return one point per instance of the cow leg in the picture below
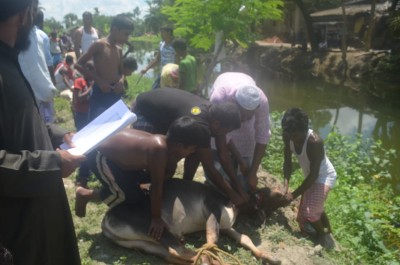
(170, 255)
(246, 242)
(212, 229)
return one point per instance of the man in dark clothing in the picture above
(158, 108)
(35, 221)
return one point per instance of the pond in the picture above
(352, 112)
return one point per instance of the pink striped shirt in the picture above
(255, 130)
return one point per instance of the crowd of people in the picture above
(227, 133)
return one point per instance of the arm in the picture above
(152, 64)
(226, 162)
(258, 154)
(235, 153)
(315, 153)
(157, 165)
(287, 163)
(49, 60)
(205, 156)
(77, 43)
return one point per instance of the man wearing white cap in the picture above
(247, 144)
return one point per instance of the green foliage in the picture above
(135, 87)
(362, 207)
(52, 24)
(199, 21)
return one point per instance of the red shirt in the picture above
(80, 104)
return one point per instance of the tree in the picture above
(371, 26)
(200, 21)
(154, 20)
(70, 20)
(52, 24)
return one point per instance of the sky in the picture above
(59, 8)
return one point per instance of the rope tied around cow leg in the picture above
(214, 253)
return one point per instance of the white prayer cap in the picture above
(248, 97)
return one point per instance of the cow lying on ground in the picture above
(188, 207)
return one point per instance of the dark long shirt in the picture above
(35, 220)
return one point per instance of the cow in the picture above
(188, 207)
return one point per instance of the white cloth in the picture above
(60, 81)
(327, 173)
(34, 64)
(88, 39)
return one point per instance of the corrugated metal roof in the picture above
(350, 10)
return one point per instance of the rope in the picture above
(214, 253)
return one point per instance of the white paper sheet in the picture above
(111, 121)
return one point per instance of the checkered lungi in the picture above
(312, 204)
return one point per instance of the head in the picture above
(180, 47)
(268, 200)
(224, 118)
(248, 99)
(17, 16)
(39, 19)
(87, 19)
(89, 65)
(167, 33)
(69, 60)
(53, 34)
(295, 124)
(129, 66)
(121, 28)
(185, 135)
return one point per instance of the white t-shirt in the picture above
(327, 173)
(34, 64)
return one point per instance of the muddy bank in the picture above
(366, 70)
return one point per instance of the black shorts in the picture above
(118, 185)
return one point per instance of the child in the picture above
(133, 158)
(129, 65)
(107, 57)
(320, 175)
(80, 107)
(187, 67)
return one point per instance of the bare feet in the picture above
(82, 197)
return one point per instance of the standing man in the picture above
(35, 221)
(37, 66)
(165, 55)
(85, 36)
(187, 67)
(247, 144)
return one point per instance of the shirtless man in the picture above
(85, 35)
(106, 54)
(133, 158)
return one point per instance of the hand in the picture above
(287, 198)
(69, 162)
(105, 87)
(119, 86)
(285, 187)
(143, 71)
(157, 227)
(237, 200)
(244, 169)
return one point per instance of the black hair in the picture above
(87, 14)
(168, 29)
(69, 59)
(295, 120)
(122, 22)
(130, 63)
(187, 131)
(9, 8)
(227, 114)
(39, 18)
(179, 45)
